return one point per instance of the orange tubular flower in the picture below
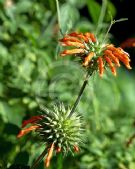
(26, 131)
(88, 58)
(92, 54)
(49, 156)
(31, 120)
(100, 66)
(72, 51)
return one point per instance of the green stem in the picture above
(80, 94)
(38, 159)
(110, 26)
(102, 15)
(108, 30)
(58, 16)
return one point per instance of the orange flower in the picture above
(72, 51)
(49, 155)
(87, 59)
(26, 131)
(100, 66)
(93, 55)
(31, 120)
(34, 120)
(129, 43)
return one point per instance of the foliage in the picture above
(32, 73)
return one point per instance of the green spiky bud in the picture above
(56, 126)
(58, 129)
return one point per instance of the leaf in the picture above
(23, 6)
(94, 10)
(69, 15)
(13, 114)
(25, 69)
(76, 3)
(111, 11)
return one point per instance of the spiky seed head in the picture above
(56, 126)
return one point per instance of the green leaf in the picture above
(25, 69)
(111, 11)
(23, 6)
(13, 114)
(94, 10)
(76, 3)
(69, 15)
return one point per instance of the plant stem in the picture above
(110, 26)
(80, 94)
(58, 16)
(101, 17)
(38, 159)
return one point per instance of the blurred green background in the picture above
(32, 74)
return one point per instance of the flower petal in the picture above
(79, 35)
(27, 130)
(76, 44)
(49, 155)
(91, 36)
(112, 56)
(88, 58)
(100, 66)
(71, 39)
(111, 65)
(72, 51)
(123, 59)
(31, 120)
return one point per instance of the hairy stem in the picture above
(38, 159)
(80, 94)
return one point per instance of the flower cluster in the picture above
(59, 131)
(93, 55)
